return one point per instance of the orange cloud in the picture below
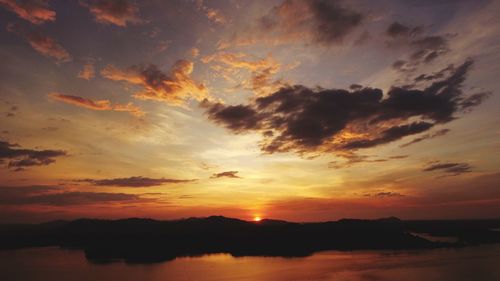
(262, 70)
(104, 105)
(88, 71)
(114, 12)
(212, 14)
(215, 16)
(316, 22)
(34, 11)
(173, 88)
(43, 44)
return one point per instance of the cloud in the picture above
(173, 88)
(333, 22)
(424, 48)
(43, 44)
(228, 66)
(117, 12)
(427, 136)
(397, 30)
(88, 71)
(195, 52)
(389, 135)
(104, 105)
(20, 158)
(133, 181)
(304, 120)
(351, 158)
(215, 15)
(227, 174)
(384, 194)
(34, 11)
(450, 169)
(317, 22)
(56, 196)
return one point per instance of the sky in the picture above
(296, 110)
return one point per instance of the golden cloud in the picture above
(174, 88)
(103, 105)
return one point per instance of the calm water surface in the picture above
(468, 264)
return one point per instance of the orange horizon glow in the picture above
(161, 110)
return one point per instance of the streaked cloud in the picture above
(134, 181)
(450, 169)
(102, 105)
(57, 196)
(227, 174)
(18, 158)
(439, 133)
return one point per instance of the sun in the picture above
(257, 218)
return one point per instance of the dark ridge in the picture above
(138, 240)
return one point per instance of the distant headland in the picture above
(138, 240)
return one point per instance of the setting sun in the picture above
(257, 218)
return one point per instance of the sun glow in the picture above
(257, 219)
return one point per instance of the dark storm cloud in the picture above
(300, 119)
(427, 136)
(227, 174)
(19, 158)
(43, 44)
(56, 196)
(133, 181)
(34, 11)
(451, 169)
(117, 12)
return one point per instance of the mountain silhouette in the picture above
(146, 240)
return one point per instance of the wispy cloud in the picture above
(102, 105)
(451, 169)
(134, 181)
(42, 43)
(21, 158)
(227, 174)
(34, 11)
(57, 196)
(88, 70)
(117, 12)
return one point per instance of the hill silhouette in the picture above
(147, 240)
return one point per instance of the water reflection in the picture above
(474, 263)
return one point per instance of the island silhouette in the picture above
(138, 240)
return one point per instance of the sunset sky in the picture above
(296, 110)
